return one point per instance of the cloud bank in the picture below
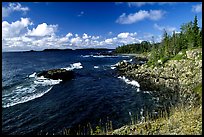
(21, 35)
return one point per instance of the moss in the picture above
(164, 59)
(200, 56)
(179, 56)
(198, 89)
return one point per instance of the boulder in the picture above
(56, 74)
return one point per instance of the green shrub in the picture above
(179, 56)
(198, 89)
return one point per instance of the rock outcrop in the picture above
(174, 76)
(56, 74)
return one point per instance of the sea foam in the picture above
(133, 82)
(32, 75)
(18, 100)
(73, 66)
(45, 82)
(29, 91)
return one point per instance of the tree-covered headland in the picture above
(189, 37)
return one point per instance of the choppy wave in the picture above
(32, 75)
(29, 90)
(17, 99)
(32, 88)
(86, 56)
(96, 66)
(77, 65)
(133, 82)
(45, 82)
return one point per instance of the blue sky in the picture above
(40, 25)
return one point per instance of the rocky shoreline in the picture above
(173, 82)
(178, 76)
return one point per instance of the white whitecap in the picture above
(113, 67)
(117, 64)
(41, 78)
(77, 65)
(102, 56)
(23, 99)
(133, 82)
(29, 91)
(32, 75)
(46, 82)
(86, 56)
(18, 87)
(125, 56)
(73, 66)
(96, 66)
(147, 92)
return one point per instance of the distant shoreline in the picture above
(49, 50)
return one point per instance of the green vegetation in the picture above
(182, 121)
(180, 48)
(179, 56)
(88, 129)
(198, 89)
(138, 48)
(190, 37)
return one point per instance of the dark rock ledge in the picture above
(56, 74)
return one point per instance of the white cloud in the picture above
(17, 37)
(15, 28)
(197, 8)
(167, 28)
(43, 30)
(76, 41)
(109, 41)
(69, 35)
(95, 37)
(156, 14)
(140, 4)
(150, 37)
(6, 11)
(85, 36)
(81, 13)
(140, 15)
(110, 33)
(122, 38)
(126, 34)
(123, 35)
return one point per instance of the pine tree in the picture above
(165, 43)
(195, 32)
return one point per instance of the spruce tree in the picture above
(195, 32)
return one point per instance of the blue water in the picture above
(31, 106)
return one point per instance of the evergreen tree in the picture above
(195, 34)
